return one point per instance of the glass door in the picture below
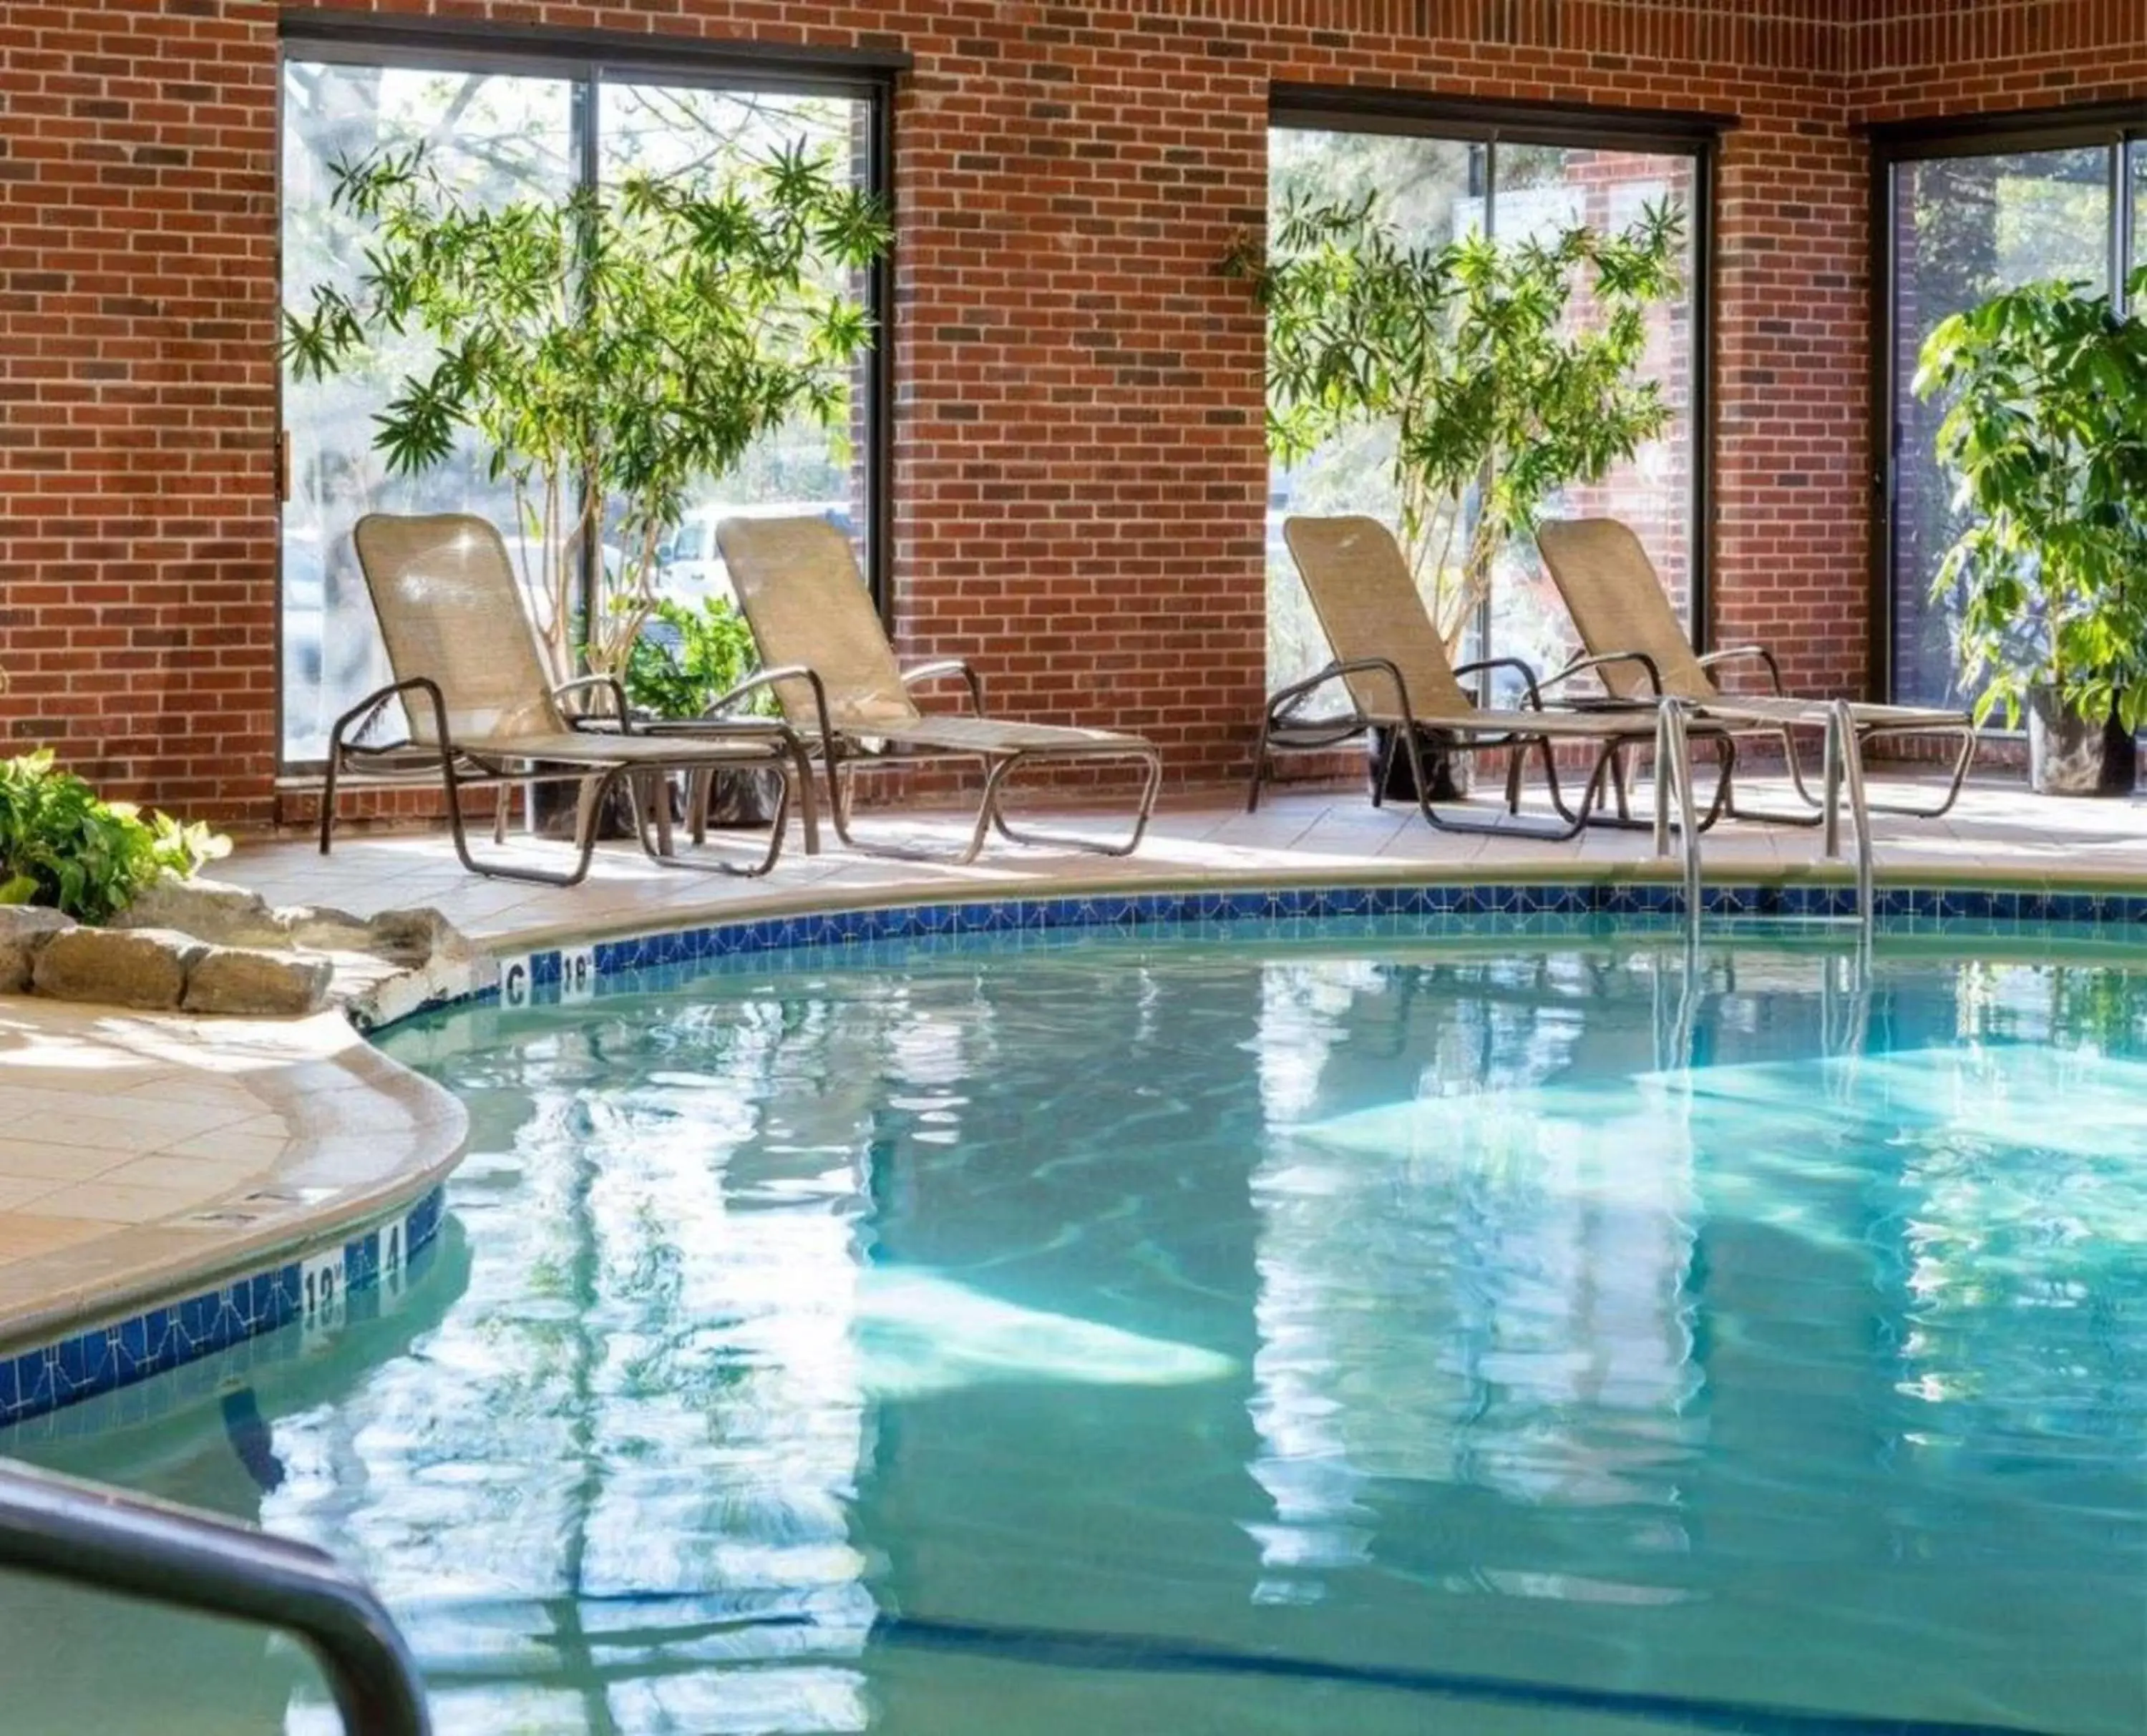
(492, 137)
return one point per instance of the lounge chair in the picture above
(1397, 675)
(1630, 631)
(481, 709)
(835, 675)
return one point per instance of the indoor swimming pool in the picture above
(1313, 1326)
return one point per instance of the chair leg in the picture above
(660, 850)
(1550, 777)
(1151, 786)
(1386, 766)
(1726, 752)
(596, 788)
(1569, 820)
(1815, 813)
(808, 804)
(836, 765)
(1962, 761)
(329, 789)
(1260, 767)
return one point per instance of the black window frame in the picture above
(2118, 128)
(588, 59)
(1693, 133)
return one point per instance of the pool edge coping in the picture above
(369, 1144)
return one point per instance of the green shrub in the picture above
(60, 845)
(715, 651)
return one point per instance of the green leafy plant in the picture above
(609, 348)
(714, 651)
(61, 845)
(1498, 393)
(2046, 439)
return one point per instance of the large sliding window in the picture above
(1963, 213)
(519, 117)
(1436, 171)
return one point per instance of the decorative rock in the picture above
(416, 936)
(24, 929)
(325, 929)
(210, 910)
(266, 985)
(143, 967)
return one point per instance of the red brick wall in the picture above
(1918, 57)
(138, 237)
(1079, 467)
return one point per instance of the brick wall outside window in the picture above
(1079, 470)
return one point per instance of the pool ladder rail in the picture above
(88, 1535)
(1844, 772)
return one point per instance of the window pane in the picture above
(1432, 189)
(496, 138)
(709, 136)
(1435, 189)
(1541, 190)
(1964, 229)
(2139, 255)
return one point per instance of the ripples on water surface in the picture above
(1329, 1334)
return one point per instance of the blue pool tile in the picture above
(34, 1378)
(130, 1345)
(193, 1320)
(74, 1361)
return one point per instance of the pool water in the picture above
(1320, 1328)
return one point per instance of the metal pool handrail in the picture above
(89, 1535)
(1845, 769)
(1841, 735)
(1673, 772)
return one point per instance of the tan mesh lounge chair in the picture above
(482, 711)
(1634, 637)
(827, 659)
(1397, 675)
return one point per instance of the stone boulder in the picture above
(142, 967)
(210, 910)
(417, 937)
(261, 985)
(325, 929)
(24, 929)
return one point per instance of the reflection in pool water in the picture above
(1330, 1333)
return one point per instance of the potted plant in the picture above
(2046, 437)
(610, 349)
(1498, 396)
(685, 661)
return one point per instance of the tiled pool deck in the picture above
(144, 1154)
(1997, 831)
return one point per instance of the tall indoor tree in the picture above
(608, 349)
(1476, 353)
(2045, 436)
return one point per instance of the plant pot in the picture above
(1449, 775)
(552, 809)
(744, 796)
(2070, 755)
